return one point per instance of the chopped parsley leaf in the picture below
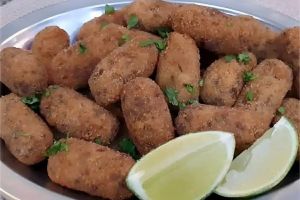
(248, 76)
(172, 95)
(229, 58)
(192, 101)
(125, 38)
(97, 141)
(20, 134)
(243, 58)
(33, 101)
(109, 9)
(163, 32)
(201, 83)
(127, 146)
(58, 146)
(281, 110)
(189, 88)
(82, 48)
(103, 24)
(160, 44)
(249, 96)
(132, 22)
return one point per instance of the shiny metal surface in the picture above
(27, 183)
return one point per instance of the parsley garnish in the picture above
(33, 101)
(249, 96)
(172, 95)
(243, 58)
(229, 58)
(160, 44)
(82, 48)
(201, 83)
(97, 141)
(192, 101)
(163, 32)
(248, 76)
(125, 38)
(103, 24)
(281, 110)
(109, 9)
(132, 22)
(189, 88)
(58, 146)
(127, 146)
(20, 134)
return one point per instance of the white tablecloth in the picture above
(18, 8)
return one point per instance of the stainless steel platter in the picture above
(29, 183)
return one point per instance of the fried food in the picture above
(266, 93)
(21, 72)
(102, 172)
(72, 67)
(49, 42)
(146, 114)
(122, 65)
(25, 134)
(291, 110)
(219, 32)
(73, 114)
(152, 14)
(223, 80)
(98, 23)
(246, 125)
(179, 67)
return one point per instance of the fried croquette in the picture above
(219, 32)
(25, 134)
(146, 114)
(223, 80)
(246, 125)
(151, 14)
(21, 72)
(98, 23)
(49, 42)
(122, 65)
(75, 115)
(273, 79)
(73, 66)
(290, 108)
(179, 67)
(91, 168)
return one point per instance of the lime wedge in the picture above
(264, 164)
(188, 167)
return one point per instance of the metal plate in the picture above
(22, 182)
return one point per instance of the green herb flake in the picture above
(109, 9)
(182, 105)
(201, 83)
(243, 58)
(82, 48)
(281, 110)
(97, 141)
(132, 22)
(163, 32)
(33, 101)
(192, 101)
(127, 146)
(189, 88)
(58, 146)
(229, 58)
(159, 44)
(20, 134)
(103, 24)
(248, 76)
(249, 96)
(125, 38)
(172, 95)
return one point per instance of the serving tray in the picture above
(29, 183)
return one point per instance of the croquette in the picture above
(223, 80)
(73, 66)
(219, 32)
(21, 72)
(246, 125)
(273, 79)
(151, 14)
(25, 134)
(49, 42)
(98, 23)
(290, 108)
(122, 65)
(91, 168)
(73, 114)
(146, 114)
(179, 67)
